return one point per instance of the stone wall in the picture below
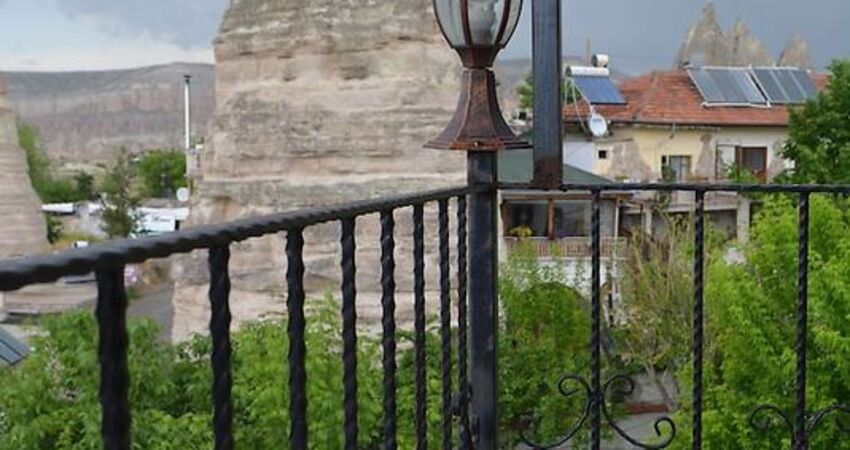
(320, 102)
(22, 229)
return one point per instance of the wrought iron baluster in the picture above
(421, 419)
(219, 294)
(388, 286)
(699, 322)
(596, 326)
(464, 433)
(297, 345)
(349, 333)
(445, 323)
(112, 352)
(801, 441)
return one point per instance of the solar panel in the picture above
(785, 85)
(806, 84)
(706, 85)
(771, 86)
(598, 90)
(727, 86)
(790, 86)
(12, 350)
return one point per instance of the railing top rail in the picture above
(46, 268)
(695, 187)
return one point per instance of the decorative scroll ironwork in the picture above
(626, 386)
(761, 421)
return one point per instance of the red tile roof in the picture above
(670, 97)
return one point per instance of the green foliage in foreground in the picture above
(751, 313)
(544, 334)
(50, 401)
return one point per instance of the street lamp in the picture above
(478, 30)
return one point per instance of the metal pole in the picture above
(187, 112)
(483, 309)
(548, 147)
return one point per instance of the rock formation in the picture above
(88, 116)
(797, 54)
(318, 103)
(708, 45)
(22, 229)
(745, 48)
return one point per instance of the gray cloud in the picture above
(188, 23)
(645, 34)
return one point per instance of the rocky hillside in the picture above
(87, 116)
(22, 229)
(319, 102)
(707, 44)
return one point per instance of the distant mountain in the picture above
(88, 116)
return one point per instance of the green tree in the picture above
(120, 217)
(751, 313)
(163, 172)
(525, 91)
(819, 138)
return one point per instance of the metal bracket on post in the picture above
(548, 118)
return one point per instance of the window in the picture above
(603, 154)
(725, 161)
(753, 160)
(532, 215)
(676, 168)
(572, 219)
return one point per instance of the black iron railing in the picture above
(799, 423)
(109, 260)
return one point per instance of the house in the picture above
(697, 124)
(557, 223)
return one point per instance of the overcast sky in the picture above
(638, 34)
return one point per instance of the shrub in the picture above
(163, 172)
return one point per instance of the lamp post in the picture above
(478, 30)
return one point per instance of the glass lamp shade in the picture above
(480, 24)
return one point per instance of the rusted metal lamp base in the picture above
(478, 124)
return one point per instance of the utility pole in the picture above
(187, 112)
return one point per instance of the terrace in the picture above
(468, 326)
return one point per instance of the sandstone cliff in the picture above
(318, 103)
(22, 227)
(88, 116)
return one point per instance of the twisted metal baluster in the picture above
(112, 354)
(419, 319)
(445, 323)
(699, 321)
(801, 421)
(297, 344)
(596, 327)
(349, 334)
(219, 295)
(388, 286)
(630, 387)
(464, 433)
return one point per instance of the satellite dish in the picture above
(598, 125)
(183, 195)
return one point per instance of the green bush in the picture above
(544, 334)
(163, 172)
